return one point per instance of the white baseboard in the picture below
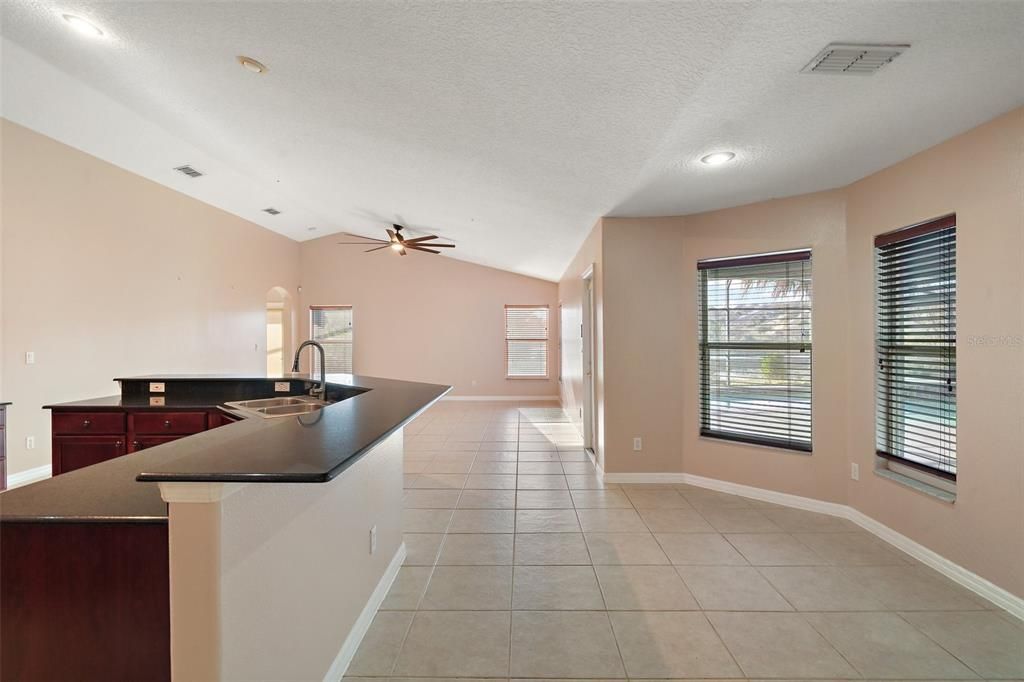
(501, 398)
(985, 589)
(362, 624)
(28, 476)
(975, 583)
(765, 495)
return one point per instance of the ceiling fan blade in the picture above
(377, 248)
(371, 241)
(402, 250)
(391, 234)
(414, 247)
(440, 246)
(420, 239)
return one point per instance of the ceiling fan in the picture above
(402, 245)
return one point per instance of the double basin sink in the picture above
(287, 406)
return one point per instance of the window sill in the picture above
(919, 486)
(527, 378)
(759, 446)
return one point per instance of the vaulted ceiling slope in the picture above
(509, 127)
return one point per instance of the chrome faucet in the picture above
(320, 392)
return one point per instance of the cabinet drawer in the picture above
(84, 423)
(182, 423)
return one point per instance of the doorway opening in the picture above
(587, 332)
(279, 331)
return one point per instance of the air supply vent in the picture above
(853, 59)
(189, 171)
(271, 211)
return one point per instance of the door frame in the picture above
(587, 347)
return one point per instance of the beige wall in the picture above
(650, 313)
(107, 274)
(570, 297)
(426, 318)
(815, 221)
(644, 323)
(980, 177)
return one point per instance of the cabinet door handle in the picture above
(86, 423)
(167, 423)
(136, 445)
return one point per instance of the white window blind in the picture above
(915, 340)
(332, 327)
(526, 342)
(755, 349)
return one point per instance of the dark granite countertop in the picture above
(115, 403)
(313, 448)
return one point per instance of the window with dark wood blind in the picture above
(331, 325)
(755, 349)
(526, 341)
(915, 341)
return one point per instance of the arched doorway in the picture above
(279, 331)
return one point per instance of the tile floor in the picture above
(523, 564)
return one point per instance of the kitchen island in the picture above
(210, 556)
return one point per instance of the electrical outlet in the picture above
(30, 442)
(282, 387)
(373, 539)
(156, 387)
(638, 444)
(30, 358)
(854, 471)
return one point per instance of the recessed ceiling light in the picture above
(83, 26)
(718, 158)
(251, 64)
(311, 229)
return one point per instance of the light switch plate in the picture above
(156, 401)
(282, 386)
(30, 358)
(854, 471)
(156, 387)
(638, 444)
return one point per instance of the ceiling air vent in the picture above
(271, 211)
(853, 59)
(189, 171)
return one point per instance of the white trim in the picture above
(29, 476)
(975, 583)
(502, 398)
(362, 624)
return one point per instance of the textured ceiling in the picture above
(508, 127)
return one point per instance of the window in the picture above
(755, 349)
(915, 343)
(526, 341)
(331, 325)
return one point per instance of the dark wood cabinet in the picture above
(178, 423)
(83, 438)
(75, 452)
(88, 423)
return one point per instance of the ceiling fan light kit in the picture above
(396, 242)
